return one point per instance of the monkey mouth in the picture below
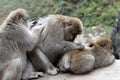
(73, 37)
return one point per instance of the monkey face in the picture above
(106, 43)
(72, 28)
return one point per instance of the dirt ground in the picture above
(111, 72)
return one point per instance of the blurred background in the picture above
(91, 12)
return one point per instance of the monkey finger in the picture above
(57, 70)
(35, 75)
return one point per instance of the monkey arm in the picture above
(42, 56)
(30, 36)
(23, 35)
(68, 46)
(16, 28)
(50, 69)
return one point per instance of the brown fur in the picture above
(82, 61)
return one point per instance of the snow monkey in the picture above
(57, 36)
(15, 39)
(115, 36)
(83, 61)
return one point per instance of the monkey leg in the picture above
(104, 61)
(84, 64)
(64, 63)
(29, 72)
(50, 69)
(13, 70)
(110, 60)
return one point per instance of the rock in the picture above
(111, 72)
(90, 35)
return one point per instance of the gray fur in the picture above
(15, 40)
(53, 43)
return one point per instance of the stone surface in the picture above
(111, 72)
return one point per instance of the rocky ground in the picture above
(111, 72)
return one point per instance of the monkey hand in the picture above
(36, 75)
(52, 71)
(80, 46)
(33, 75)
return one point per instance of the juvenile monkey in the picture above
(57, 35)
(15, 40)
(82, 61)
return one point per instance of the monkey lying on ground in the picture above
(82, 61)
(15, 40)
(57, 36)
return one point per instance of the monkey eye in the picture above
(68, 24)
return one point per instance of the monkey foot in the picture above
(35, 75)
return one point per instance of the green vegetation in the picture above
(91, 12)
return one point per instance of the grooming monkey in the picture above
(15, 40)
(82, 61)
(57, 35)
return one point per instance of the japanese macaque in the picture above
(15, 39)
(116, 38)
(57, 35)
(83, 61)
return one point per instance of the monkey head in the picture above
(103, 42)
(72, 27)
(106, 43)
(65, 26)
(18, 16)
